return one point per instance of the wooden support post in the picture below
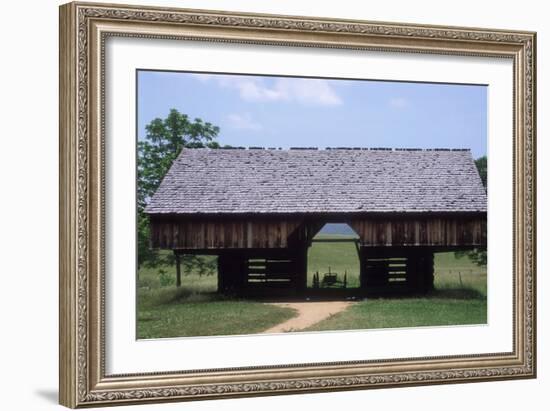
(414, 272)
(420, 271)
(178, 269)
(221, 274)
(429, 278)
(232, 273)
(362, 270)
(239, 273)
(300, 271)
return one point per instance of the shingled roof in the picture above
(235, 181)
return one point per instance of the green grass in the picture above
(406, 312)
(149, 280)
(459, 276)
(460, 297)
(181, 318)
(195, 309)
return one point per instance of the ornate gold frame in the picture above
(83, 30)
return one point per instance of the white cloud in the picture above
(242, 122)
(203, 78)
(254, 90)
(303, 91)
(311, 91)
(398, 102)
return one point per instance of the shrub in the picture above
(165, 279)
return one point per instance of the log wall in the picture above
(260, 273)
(428, 231)
(223, 234)
(399, 270)
(275, 233)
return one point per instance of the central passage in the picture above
(333, 260)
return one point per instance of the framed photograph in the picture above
(260, 204)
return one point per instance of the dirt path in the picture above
(309, 313)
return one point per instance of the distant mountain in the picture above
(340, 229)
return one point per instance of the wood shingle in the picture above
(242, 181)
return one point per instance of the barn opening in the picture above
(333, 259)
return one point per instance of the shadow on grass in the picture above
(184, 295)
(442, 294)
(172, 295)
(457, 294)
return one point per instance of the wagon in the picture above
(330, 279)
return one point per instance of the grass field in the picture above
(195, 309)
(406, 312)
(340, 257)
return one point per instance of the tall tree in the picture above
(164, 140)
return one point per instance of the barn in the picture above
(258, 210)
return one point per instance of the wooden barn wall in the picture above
(242, 234)
(223, 234)
(438, 231)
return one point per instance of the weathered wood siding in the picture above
(429, 231)
(222, 234)
(275, 233)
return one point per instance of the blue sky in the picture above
(299, 112)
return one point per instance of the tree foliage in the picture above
(478, 255)
(481, 164)
(164, 141)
